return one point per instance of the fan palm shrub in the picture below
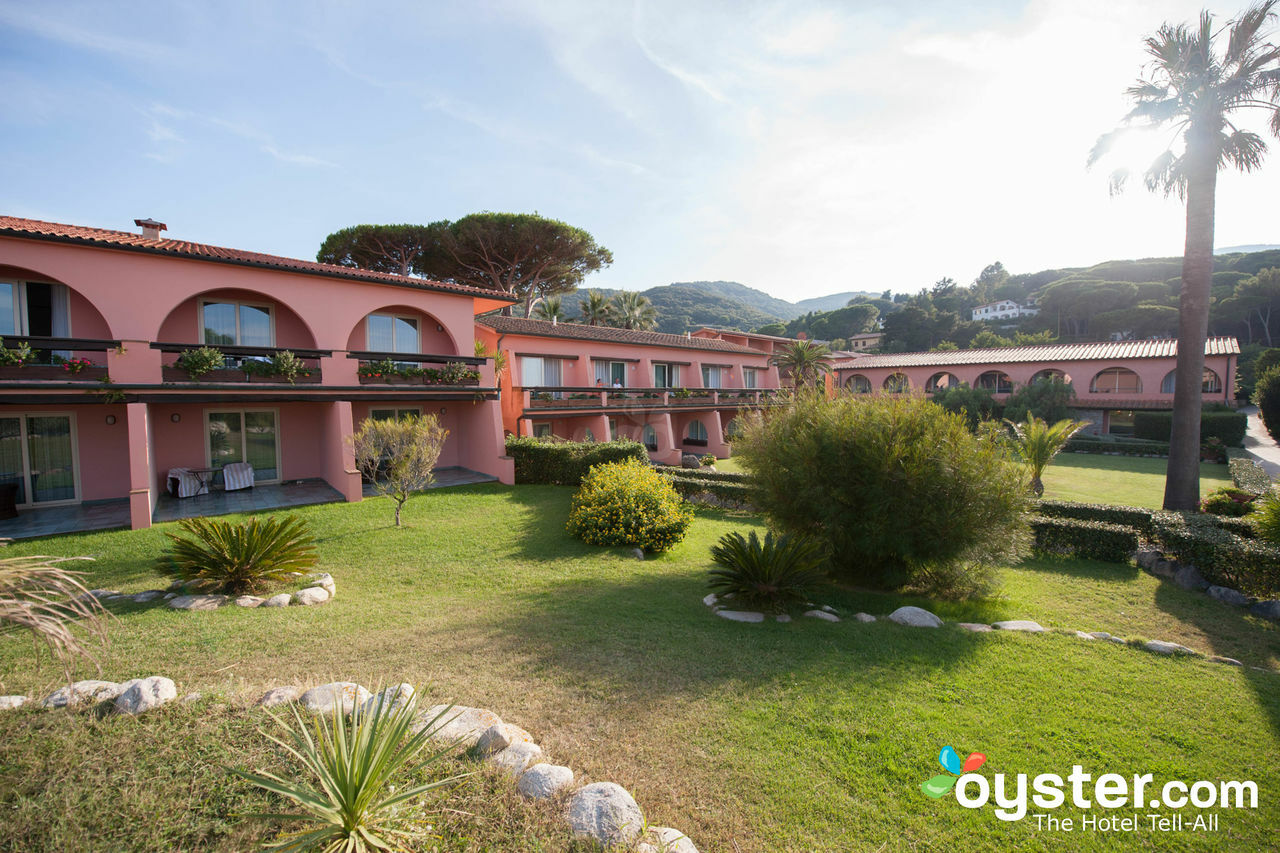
(40, 596)
(772, 575)
(1036, 442)
(348, 797)
(805, 362)
(239, 558)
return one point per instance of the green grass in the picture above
(803, 736)
(1123, 480)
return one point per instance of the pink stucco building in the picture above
(113, 310)
(675, 394)
(1112, 379)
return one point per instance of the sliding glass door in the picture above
(245, 436)
(38, 455)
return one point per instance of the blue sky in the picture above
(801, 148)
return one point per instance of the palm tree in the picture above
(804, 361)
(549, 308)
(1036, 443)
(633, 310)
(1195, 85)
(595, 310)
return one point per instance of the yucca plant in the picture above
(38, 595)
(239, 558)
(770, 575)
(1036, 443)
(348, 797)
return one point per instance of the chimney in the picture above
(150, 228)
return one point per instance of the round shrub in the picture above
(1228, 501)
(628, 503)
(898, 490)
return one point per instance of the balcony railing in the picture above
(243, 364)
(28, 358)
(577, 397)
(398, 368)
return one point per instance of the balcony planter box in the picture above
(463, 383)
(313, 379)
(390, 380)
(558, 404)
(226, 374)
(691, 401)
(50, 373)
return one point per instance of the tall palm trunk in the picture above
(1182, 483)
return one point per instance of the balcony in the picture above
(30, 358)
(539, 398)
(398, 368)
(252, 365)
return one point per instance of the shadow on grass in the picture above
(1235, 634)
(1082, 569)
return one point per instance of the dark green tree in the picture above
(396, 249)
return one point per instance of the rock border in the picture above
(1189, 578)
(319, 589)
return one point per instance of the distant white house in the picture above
(1005, 309)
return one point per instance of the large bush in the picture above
(896, 489)
(628, 503)
(1222, 556)
(1226, 426)
(1048, 399)
(565, 463)
(1266, 396)
(975, 404)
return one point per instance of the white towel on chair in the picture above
(237, 475)
(188, 483)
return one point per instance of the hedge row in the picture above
(701, 474)
(1088, 444)
(1094, 540)
(1242, 526)
(1249, 476)
(1229, 427)
(565, 463)
(1129, 516)
(732, 493)
(1223, 557)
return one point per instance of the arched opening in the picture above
(39, 306)
(940, 381)
(858, 384)
(732, 429)
(696, 433)
(234, 317)
(1211, 383)
(1050, 373)
(897, 383)
(401, 329)
(995, 381)
(1116, 380)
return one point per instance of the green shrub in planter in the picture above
(1093, 540)
(198, 362)
(893, 487)
(628, 503)
(1229, 502)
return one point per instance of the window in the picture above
(940, 381)
(536, 371)
(710, 376)
(1049, 373)
(35, 308)
(393, 333)
(613, 429)
(897, 383)
(995, 381)
(246, 435)
(750, 377)
(38, 455)
(611, 374)
(666, 375)
(858, 384)
(1210, 385)
(393, 414)
(588, 435)
(649, 437)
(1116, 380)
(236, 324)
(697, 433)
(542, 430)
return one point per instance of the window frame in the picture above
(244, 437)
(270, 308)
(24, 439)
(368, 335)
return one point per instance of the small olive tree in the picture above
(898, 490)
(399, 456)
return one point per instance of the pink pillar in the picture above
(716, 444)
(340, 462)
(524, 427)
(140, 501)
(600, 427)
(484, 446)
(667, 451)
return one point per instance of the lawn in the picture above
(1095, 478)
(801, 736)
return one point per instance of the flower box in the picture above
(225, 374)
(50, 373)
(390, 380)
(300, 379)
(692, 401)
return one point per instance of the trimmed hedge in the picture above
(1128, 516)
(1249, 476)
(1229, 427)
(733, 493)
(1089, 444)
(1242, 527)
(1222, 557)
(565, 463)
(701, 474)
(1094, 540)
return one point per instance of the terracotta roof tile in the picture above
(81, 235)
(1099, 351)
(608, 334)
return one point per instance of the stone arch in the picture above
(182, 324)
(1116, 380)
(940, 381)
(85, 320)
(858, 384)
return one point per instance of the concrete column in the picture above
(667, 451)
(339, 461)
(140, 475)
(716, 444)
(600, 427)
(484, 447)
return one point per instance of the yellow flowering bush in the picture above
(628, 503)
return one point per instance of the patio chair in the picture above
(237, 475)
(183, 484)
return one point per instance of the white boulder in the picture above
(82, 692)
(391, 698)
(604, 812)
(143, 694)
(9, 703)
(461, 724)
(864, 617)
(499, 737)
(248, 601)
(1162, 647)
(544, 780)
(282, 600)
(279, 696)
(198, 602)
(325, 698)
(916, 617)
(311, 595)
(740, 615)
(515, 758)
(1020, 625)
(664, 839)
(823, 615)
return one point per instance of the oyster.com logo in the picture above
(942, 784)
